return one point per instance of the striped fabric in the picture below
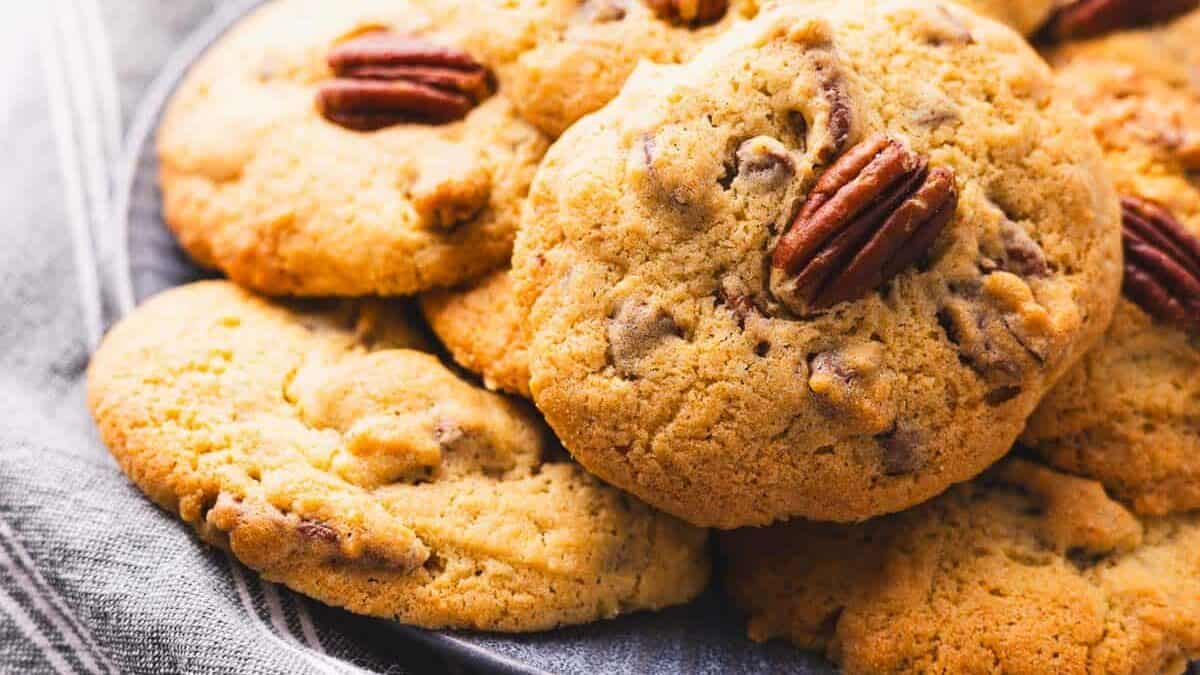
(93, 578)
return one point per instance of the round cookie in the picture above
(482, 327)
(314, 444)
(740, 305)
(1024, 570)
(294, 180)
(1129, 414)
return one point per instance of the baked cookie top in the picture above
(1129, 414)
(1024, 570)
(562, 59)
(483, 328)
(324, 452)
(826, 269)
(344, 148)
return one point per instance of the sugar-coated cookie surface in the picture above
(325, 452)
(1024, 570)
(1129, 414)
(483, 329)
(259, 183)
(826, 269)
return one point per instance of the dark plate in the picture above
(702, 637)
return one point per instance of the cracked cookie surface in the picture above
(1023, 570)
(679, 359)
(325, 451)
(259, 183)
(563, 59)
(1129, 414)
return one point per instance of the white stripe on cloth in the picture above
(307, 627)
(273, 597)
(32, 633)
(50, 605)
(82, 81)
(243, 591)
(105, 75)
(69, 165)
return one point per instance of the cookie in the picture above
(324, 452)
(1023, 16)
(826, 269)
(482, 328)
(562, 59)
(1024, 570)
(344, 148)
(1129, 414)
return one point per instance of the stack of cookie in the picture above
(870, 267)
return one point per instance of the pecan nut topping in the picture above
(875, 212)
(1162, 264)
(691, 12)
(1089, 18)
(383, 79)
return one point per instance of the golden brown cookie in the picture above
(321, 449)
(826, 269)
(483, 328)
(1023, 16)
(1129, 415)
(344, 148)
(1024, 570)
(562, 59)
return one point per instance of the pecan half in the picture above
(691, 12)
(385, 79)
(1162, 264)
(1088, 18)
(874, 213)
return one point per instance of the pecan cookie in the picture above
(1024, 570)
(482, 327)
(345, 148)
(827, 269)
(322, 450)
(1129, 414)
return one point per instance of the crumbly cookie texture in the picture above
(562, 59)
(1024, 570)
(1129, 414)
(324, 452)
(257, 182)
(678, 360)
(483, 328)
